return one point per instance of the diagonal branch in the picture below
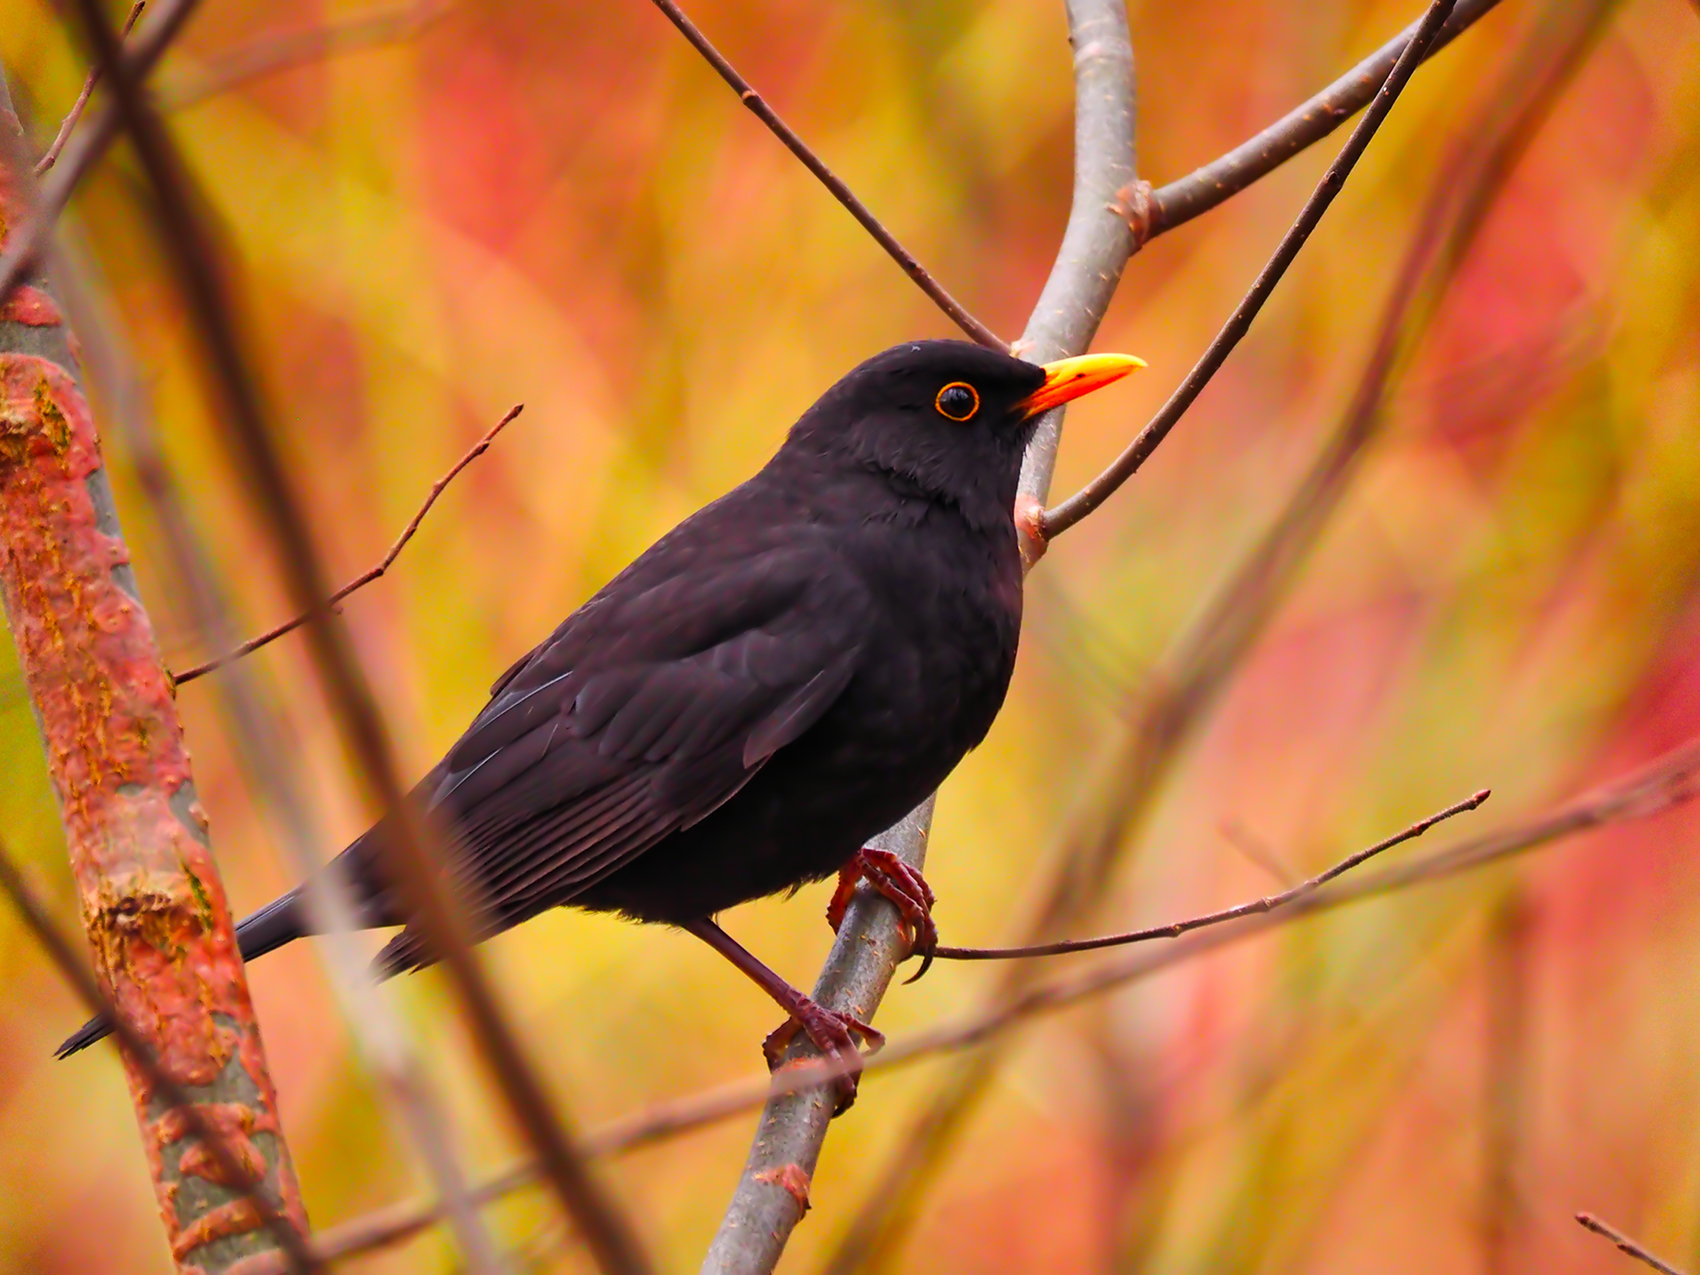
(842, 193)
(1058, 520)
(51, 154)
(1268, 903)
(1589, 1222)
(231, 1164)
(1663, 784)
(407, 855)
(152, 902)
(1302, 127)
(772, 1192)
(26, 241)
(365, 577)
(274, 771)
(1180, 697)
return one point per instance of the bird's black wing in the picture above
(645, 712)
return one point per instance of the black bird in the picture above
(780, 677)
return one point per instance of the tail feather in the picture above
(279, 922)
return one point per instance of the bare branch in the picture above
(1669, 781)
(51, 154)
(1591, 1223)
(1268, 903)
(81, 153)
(231, 1165)
(1506, 978)
(1060, 519)
(407, 857)
(267, 54)
(1179, 697)
(1302, 127)
(152, 901)
(365, 577)
(797, 146)
(274, 770)
(1096, 246)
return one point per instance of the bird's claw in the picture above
(835, 1035)
(907, 891)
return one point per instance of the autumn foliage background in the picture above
(557, 204)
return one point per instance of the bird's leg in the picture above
(907, 890)
(834, 1034)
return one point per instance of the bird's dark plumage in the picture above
(776, 680)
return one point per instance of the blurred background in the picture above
(467, 205)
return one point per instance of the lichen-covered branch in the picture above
(407, 858)
(274, 771)
(152, 902)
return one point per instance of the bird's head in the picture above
(948, 418)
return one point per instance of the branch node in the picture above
(1133, 204)
(793, 1178)
(1030, 525)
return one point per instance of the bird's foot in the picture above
(907, 890)
(832, 1033)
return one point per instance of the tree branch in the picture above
(407, 858)
(957, 313)
(152, 901)
(1666, 783)
(1096, 245)
(1058, 520)
(1268, 903)
(365, 577)
(25, 241)
(1591, 1223)
(232, 1161)
(278, 51)
(51, 154)
(1178, 698)
(1302, 127)
(274, 770)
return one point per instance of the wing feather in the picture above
(641, 716)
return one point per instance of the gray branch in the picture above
(772, 1193)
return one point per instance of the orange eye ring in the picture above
(956, 401)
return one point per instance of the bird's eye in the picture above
(958, 400)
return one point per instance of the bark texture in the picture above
(152, 904)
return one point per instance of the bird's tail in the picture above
(279, 922)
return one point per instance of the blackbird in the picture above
(783, 675)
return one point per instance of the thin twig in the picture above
(1665, 783)
(1268, 903)
(1058, 520)
(278, 51)
(232, 1168)
(1176, 702)
(1198, 192)
(1591, 1223)
(365, 577)
(51, 154)
(797, 146)
(87, 146)
(152, 901)
(1095, 248)
(380, 1035)
(1505, 974)
(1252, 847)
(406, 856)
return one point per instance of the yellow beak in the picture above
(1070, 378)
